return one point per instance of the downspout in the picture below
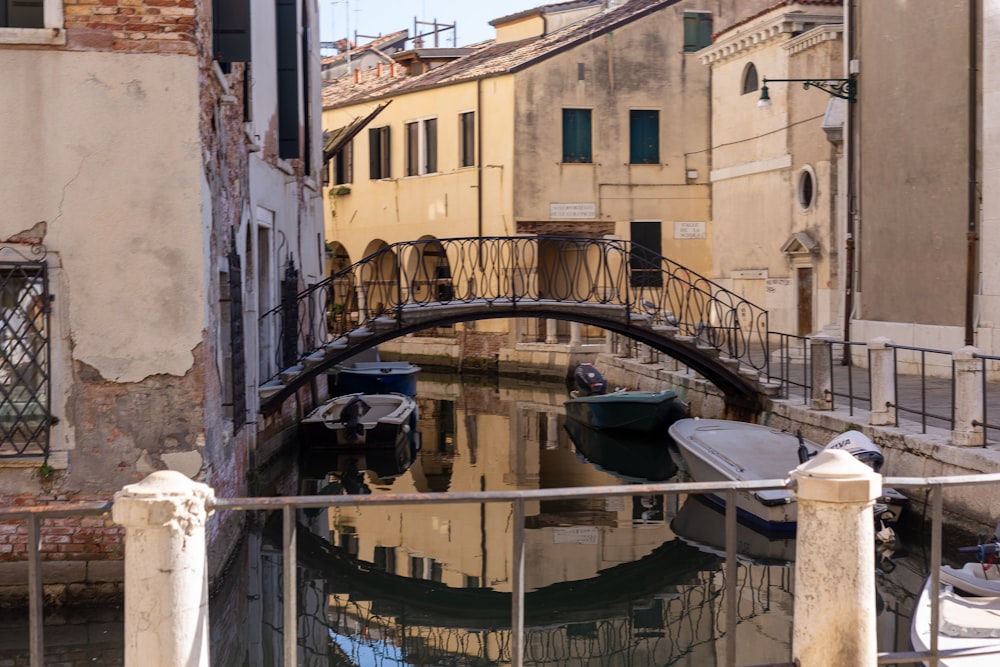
(972, 235)
(479, 158)
(851, 202)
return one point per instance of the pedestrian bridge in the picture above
(610, 283)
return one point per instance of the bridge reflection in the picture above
(610, 283)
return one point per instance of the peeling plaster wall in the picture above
(109, 181)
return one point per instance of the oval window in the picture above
(806, 188)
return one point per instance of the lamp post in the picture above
(845, 89)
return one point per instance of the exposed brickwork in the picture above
(62, 539)
(134, 26)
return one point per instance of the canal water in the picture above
(626, 581)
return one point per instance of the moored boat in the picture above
(968, 611)
(360, 421)
(593, 406)
(718, 450)
(375, 377)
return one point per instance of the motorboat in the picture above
(968, 611)
(375, 377)
(623, 409)
(632, 457)
(718, 450)
(360, 422)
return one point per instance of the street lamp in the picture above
(845, 89)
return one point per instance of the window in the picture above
(467, 139)
(31, 22)
(750, 84)
(697, 31)
(231, 30)
(421, 147)
(378, 152)
(343, 165)
(644, 258)
(24, 359)
(806, 188)
(644, 137)
(576, 136)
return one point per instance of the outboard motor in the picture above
(861, 447)
(589, 381)
(350, 417)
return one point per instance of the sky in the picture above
(340, 18)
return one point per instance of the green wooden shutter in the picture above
(231, 30)
(577, 145)
(288, 79)
(644, 137)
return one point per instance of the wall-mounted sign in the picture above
(689, 230)
(750, 274)
(573, 211)
(574, 535)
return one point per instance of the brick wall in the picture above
(65, 538)
(139, 26)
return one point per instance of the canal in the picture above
(625, 581)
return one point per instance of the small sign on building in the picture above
(689, 230)
(574, 535)
(750, 274)
(573, 211)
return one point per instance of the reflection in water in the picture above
(613, 581)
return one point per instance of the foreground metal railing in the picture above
(289, 506)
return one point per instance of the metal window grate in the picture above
(24, 359)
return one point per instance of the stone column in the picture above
(551, 332)
(969, 399)
(166, 578)
(575, 334)
(822, 373)
(883, 387)
(834, 618)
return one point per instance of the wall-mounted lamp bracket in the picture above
(845, 89)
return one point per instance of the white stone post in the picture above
(551, 332)
(575, 334)
(166, 579)
(834, 618)
(822, 373)
(968, 398)
(883, 386)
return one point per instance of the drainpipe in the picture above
(851, 198)
(479, 157)
(972, 235)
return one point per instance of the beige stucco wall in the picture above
(913, 149)
(618, 76)
(990, 223)
(120, 192)
(758, 158)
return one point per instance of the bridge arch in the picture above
(407, 287)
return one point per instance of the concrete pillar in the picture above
(968, 431)
(883, 387)
(822, 373)
(552, 430)
(551, 333)
(166, 578)
(834, 617)
(575, 334)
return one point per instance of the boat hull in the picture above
(717, 450)
(635, 411)
(920, 629)
(389, 422)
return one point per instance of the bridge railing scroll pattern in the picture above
(503, 274)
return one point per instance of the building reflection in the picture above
(607, 580)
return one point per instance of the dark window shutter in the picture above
(236, 345)
(231, 30)
(576, 135)
(431, 138)
(644, 258)
(644, 137)
(288, 79)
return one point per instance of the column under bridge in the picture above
(610, 283)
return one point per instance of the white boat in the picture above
(360, 421)
(718, 450)
(968, 613)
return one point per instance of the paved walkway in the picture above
(922, 402)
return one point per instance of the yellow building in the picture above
(580, 119)
(778, 169)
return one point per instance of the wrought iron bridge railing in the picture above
(597, 281)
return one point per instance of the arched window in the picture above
(806, 188)
(749, 79)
